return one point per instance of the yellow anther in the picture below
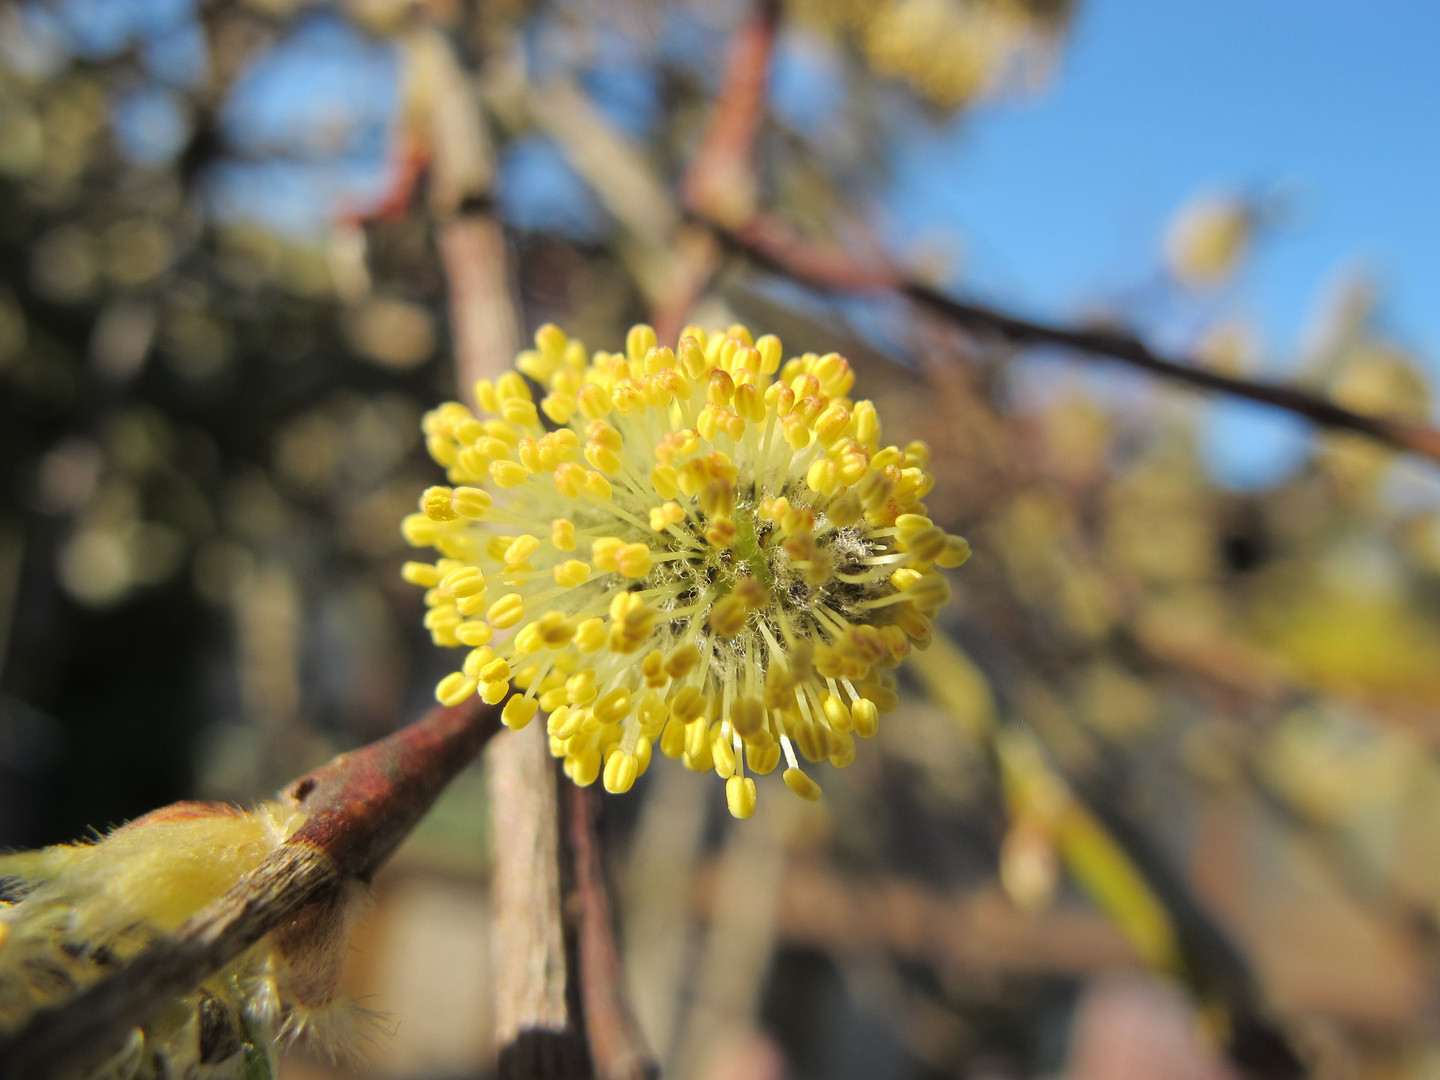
(555, 630)
(435, 502)
(665, 515)
(496, 547)
(692, 357)
(551, 341)
(491, 447)
(562, 534)
(837, 714)
(590, 635)
(474, 633)
(571, 572)
(639, 340)
(508, 474)
(563, 721)
(740, 796)
(631, 623)
(720, 389)
(613, 706)
(874, 490)
(466, 581)
(511, 386)
(597, 486)
(620, 772)
(468, 431)
(810, 739)
(682, 660)
(687, 704)
(917, 454)
(492, 693)
(795, 430)
(722, 753)
(797, 521)
(604, 434)
(748, 716)
(497, 670)
(506, 612)
(657, 359)
(518, 712)
(633, 560)
(750, 402)
(866, 716)
(653, 713)
(559, 407)
(905, 578)
(866, 424)
(570, 479)
(584, 767)
(580, 687)
(476, 660)
(419, 530)
(779, 399)
(506, 433)
(721, 533)
(831, 423)
(752, 593)
(529, 454)
(603, 552)
(842, 749)
(956, 552)
(926, 546)
(845, 509)
(697, 738)
(603, 458)
(594, 401)
(422, 574)
(802, 785)
(717, 497)
(727, 616)
(486, 397)
(672, 738)
(454, 689)
(470, 502)
(520, 413)
(665, 480)
(822, 477)
(520, 549)
(761, 758)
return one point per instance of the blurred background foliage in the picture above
(1177, 771)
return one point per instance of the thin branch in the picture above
(616, 1046)
(769, 243)
(361, 805)
(720, 182)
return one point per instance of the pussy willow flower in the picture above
(71, 914)
(702, 548)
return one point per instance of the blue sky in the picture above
(1061, 199)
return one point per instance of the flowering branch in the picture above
(359, 806)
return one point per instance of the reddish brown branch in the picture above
(361, 805)
(720, 183)
(617, 1048)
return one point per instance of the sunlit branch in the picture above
(360, 806)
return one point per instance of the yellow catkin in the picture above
(710, 550)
